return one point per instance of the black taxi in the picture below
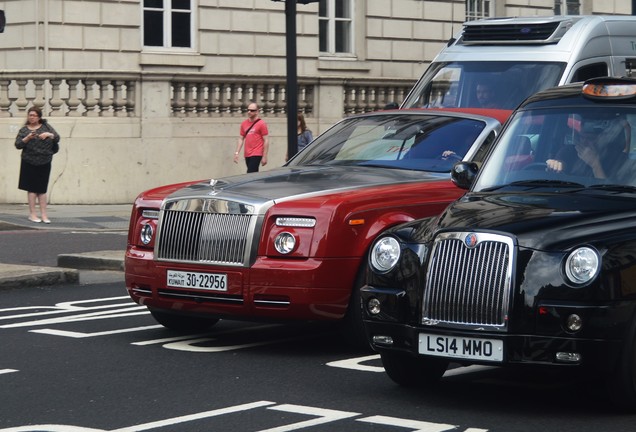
(535, 264)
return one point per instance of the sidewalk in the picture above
(88, 267)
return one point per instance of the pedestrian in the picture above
(254, 138)
(304, 134)
(39, 142)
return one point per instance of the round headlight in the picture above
(146, 234)
(582, 265)
(385, 254)
(284, 243)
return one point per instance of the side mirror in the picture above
(463, 174)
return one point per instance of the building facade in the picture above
(150, 92)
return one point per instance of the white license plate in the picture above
(461, 347)
(206, 281)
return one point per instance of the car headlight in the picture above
(385, 254)
(285, 243)
(146, 234)
(582, 265)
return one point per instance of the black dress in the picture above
(34, 178)
(35, 166)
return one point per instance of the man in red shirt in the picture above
(254, 135)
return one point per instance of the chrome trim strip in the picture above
(272, 302)
(143, 291)
(203, 297)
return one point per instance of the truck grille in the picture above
(203, 237)
(469, 280)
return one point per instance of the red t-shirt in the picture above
(255, 138)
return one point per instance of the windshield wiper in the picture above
(614, 187)
(536, 183)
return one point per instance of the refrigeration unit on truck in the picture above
(514, 58)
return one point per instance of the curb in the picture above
(102, 260)
(14, 276)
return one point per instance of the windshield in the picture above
(485, 84)
(565, 146)
(419, 142)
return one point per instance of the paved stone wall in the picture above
(110, 160)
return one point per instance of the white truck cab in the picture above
(498, 62)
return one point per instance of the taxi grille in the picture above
(208, 238)
(469, 286)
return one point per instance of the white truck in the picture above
(513, 58)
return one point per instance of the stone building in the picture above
(150, 92)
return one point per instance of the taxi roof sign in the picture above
(609, 88)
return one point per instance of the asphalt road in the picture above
(85, 358)
(21, 245)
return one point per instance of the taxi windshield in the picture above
(476, 84)
(565, 147)
(421, 142)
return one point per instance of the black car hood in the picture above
(543, 220)
(287, 182)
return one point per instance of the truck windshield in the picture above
(478, 84)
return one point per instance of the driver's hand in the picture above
(448, 153)
(554, 165)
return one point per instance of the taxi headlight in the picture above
(385, 254)
(285, 243)
(146, 234)
(582, 265)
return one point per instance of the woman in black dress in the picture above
(38, 142)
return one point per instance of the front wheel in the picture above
(410, 371)
(182, 323)
(354, 331)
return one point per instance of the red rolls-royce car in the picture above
(291, 243)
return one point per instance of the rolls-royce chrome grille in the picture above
(201, 233)
(469, 281)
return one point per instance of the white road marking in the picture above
(191, 417)
(413, 425)
(354, 363)
(117, 313)
(190, 345)
(81, 335)
(324, 416)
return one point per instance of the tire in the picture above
(621, 384)
(182, 323)
(410, 371)
(354, 332)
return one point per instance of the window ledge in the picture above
(172, 59)
(343, 64)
